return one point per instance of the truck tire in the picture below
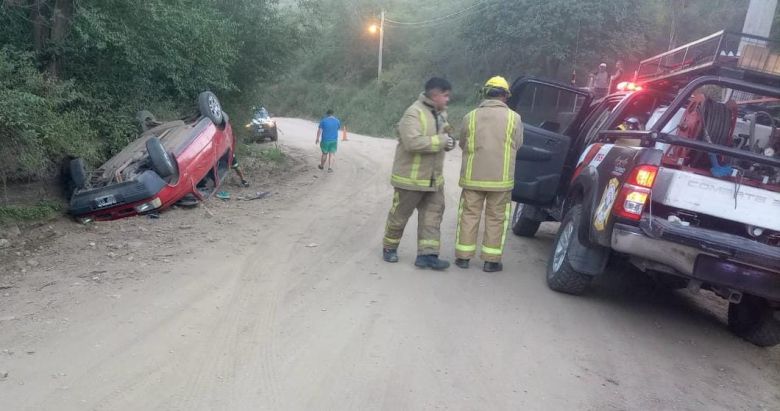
(523, 226)
(561, 276)
(162, 161)
(275, 135)
(209, 106)
(753, 319)
(78, 173)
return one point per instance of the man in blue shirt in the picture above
(329, 131)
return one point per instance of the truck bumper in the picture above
(711, 257)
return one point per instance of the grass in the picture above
(41, 211)
(271, 154)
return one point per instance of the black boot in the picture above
(462, 262)
(491, 267)
(390, 255)
(431, 261)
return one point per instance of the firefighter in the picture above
(417, 178)
(489, 136)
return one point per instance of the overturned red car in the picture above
(183, 160)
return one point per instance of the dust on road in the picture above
(284, 303)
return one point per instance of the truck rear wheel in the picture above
(523, 226)
(561, 276)
(754, 320)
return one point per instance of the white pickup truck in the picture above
(680, 175)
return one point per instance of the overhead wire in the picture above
(442, 19)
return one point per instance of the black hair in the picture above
(437, 83)
(492, 92)
(329, 112)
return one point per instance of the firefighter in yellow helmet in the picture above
(417, 178)
(489, 136)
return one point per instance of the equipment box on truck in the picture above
(678, 172)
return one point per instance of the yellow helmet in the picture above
(498, 82)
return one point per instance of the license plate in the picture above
(105, 201)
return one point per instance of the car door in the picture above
(548, 110)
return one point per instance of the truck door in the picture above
(548, 109)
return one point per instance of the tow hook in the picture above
(731, 295)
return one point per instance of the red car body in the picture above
(127, 184)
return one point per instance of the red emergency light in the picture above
(628, 86)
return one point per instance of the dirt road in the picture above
(284, 303)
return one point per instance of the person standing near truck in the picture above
(489, 136)
(329, 132)
(601, 82)
(417, 176)
(618, 77)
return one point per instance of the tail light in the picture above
(635, 193)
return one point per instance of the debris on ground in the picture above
(257, 196)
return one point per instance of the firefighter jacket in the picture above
(490, 136)
(419, 156)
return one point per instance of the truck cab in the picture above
(677, 173)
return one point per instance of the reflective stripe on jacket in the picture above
(419, 156)
(490, 136)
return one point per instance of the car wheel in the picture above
(275, 136)
(522, 225)
(561, 276)
(78, 173)
(145, 120)
(755, 320)
(209, 106)
(162, 161)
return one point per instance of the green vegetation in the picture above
(469, 41)
(74, 73)
(40, 211)
(265, 153)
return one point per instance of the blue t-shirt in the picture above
(330, 128)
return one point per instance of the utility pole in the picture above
(381, 43)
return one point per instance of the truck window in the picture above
(547, 107)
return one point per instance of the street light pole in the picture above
(381, 43)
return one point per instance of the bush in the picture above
(40, 120)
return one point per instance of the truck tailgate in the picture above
(718, 198)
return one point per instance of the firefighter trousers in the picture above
(496, 205)
(430, 208)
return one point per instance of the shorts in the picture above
(329, 147)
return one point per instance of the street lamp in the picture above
(373, 29)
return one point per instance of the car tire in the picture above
(209, 106)
(275, 135)
(753, 319)
(144, 117)
(561, 276)
(162, 161)
(78, 173)
(522, 225)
